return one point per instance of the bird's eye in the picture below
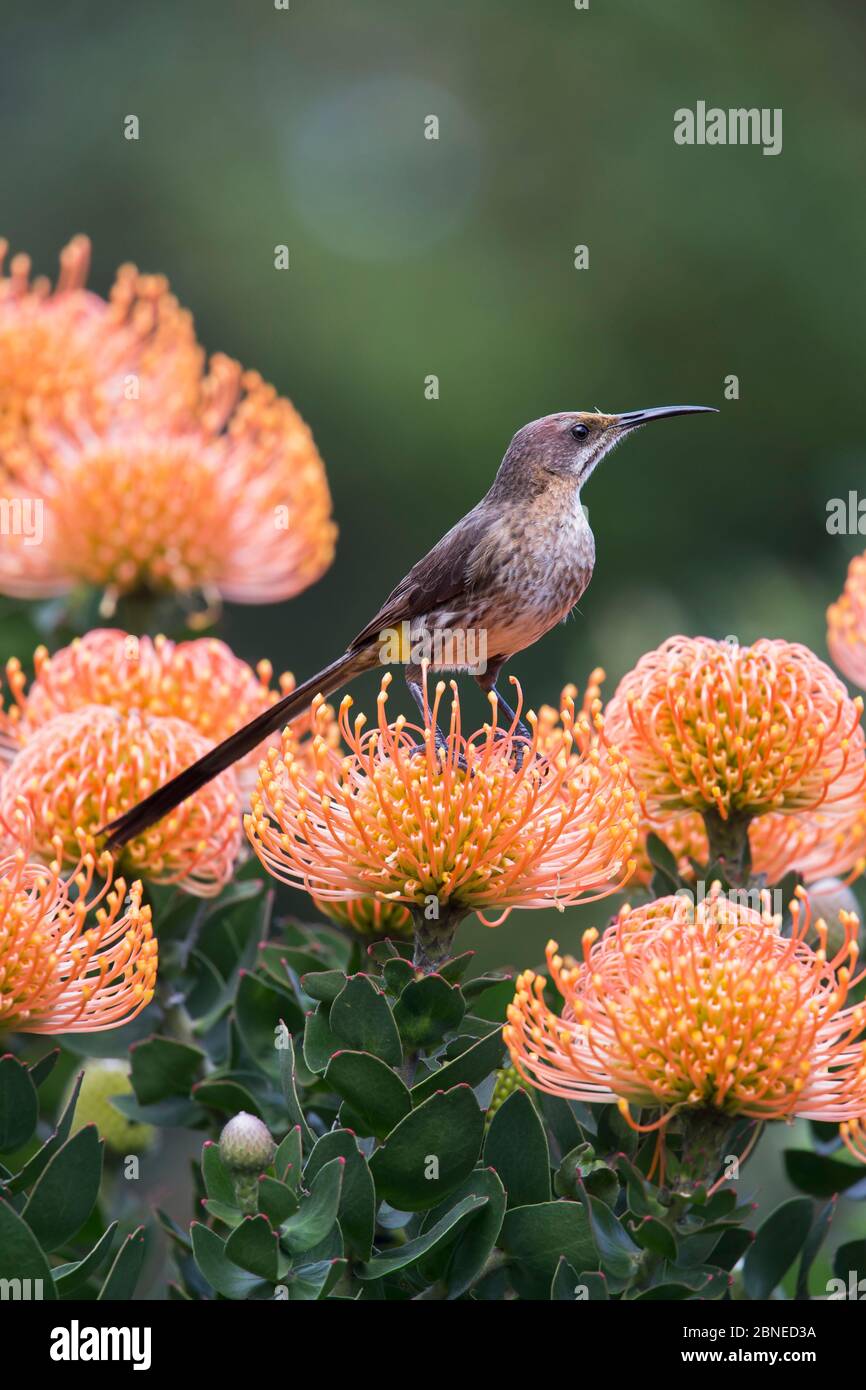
(579, 431)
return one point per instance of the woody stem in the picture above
(434, 936)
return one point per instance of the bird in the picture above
(510, 570)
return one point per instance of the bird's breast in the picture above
(534, 570)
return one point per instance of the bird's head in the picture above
(571, 444)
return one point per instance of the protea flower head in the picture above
(80, 770)
(59, 974)
(846, 625)
(66, 353)
(369, 917)
(194, 485)
(714, 727)
(481, 823)
(686, 1008)
(201, 682)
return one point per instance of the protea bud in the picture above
(246, 1149)
(507, 1080)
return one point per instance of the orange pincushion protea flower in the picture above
(201, 681)
(463, 824)
(711, 726)
(57, 974)
(83, 769)
(148, 474)
(66, 352)
(678, 1006)
(846, 625)
(369, 917)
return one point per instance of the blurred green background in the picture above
(455, 257)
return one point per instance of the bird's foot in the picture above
(418, 749)
(520, 743)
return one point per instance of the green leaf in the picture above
(221, 1211)
(592, 1286)
(820, 1227)
(821, 1176)
(323, 985)
(651, 1234)
(176, 1112)
(560, 1119)
(163, 1067)
(641, 1198)
(618, 1255)
(317, 1211)
(396, 974)
(430, 1152)
(662, 859)
(665, 1293)
(113, 1042)
(66, 1192)
(372, 1089)
(123, 1276)
(732, 1247)
(414, 1250)
(20, 1254)
(70, 1277)
(427, 1010)
(563, 1285)
(19, 1104)
(221, 1273)
(225, 1094)
(289, 1089)
(471, 1067)
(492, 1003)
(217, 1178)
(262, 1012)
(357, 1210)
(320, 1043)
(276, 1200)
(314, 1281)
(454, 969)
(477, 1237)
(27, 1176)
(41, 1070)
(255, 1247)
(361, 1017)
(287, 1159)
(777, 1244)
(536, 1236)
(516, 1146)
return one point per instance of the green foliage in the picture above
(410, 1165)
(407, 1161)
(54, 1243)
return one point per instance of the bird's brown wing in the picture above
(441, 576)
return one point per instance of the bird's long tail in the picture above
(164, 799)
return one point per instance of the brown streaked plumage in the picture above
(512, 568)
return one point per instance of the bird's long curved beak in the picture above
(631, 418)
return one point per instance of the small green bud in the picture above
(507, 1080)
(246, 1145)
